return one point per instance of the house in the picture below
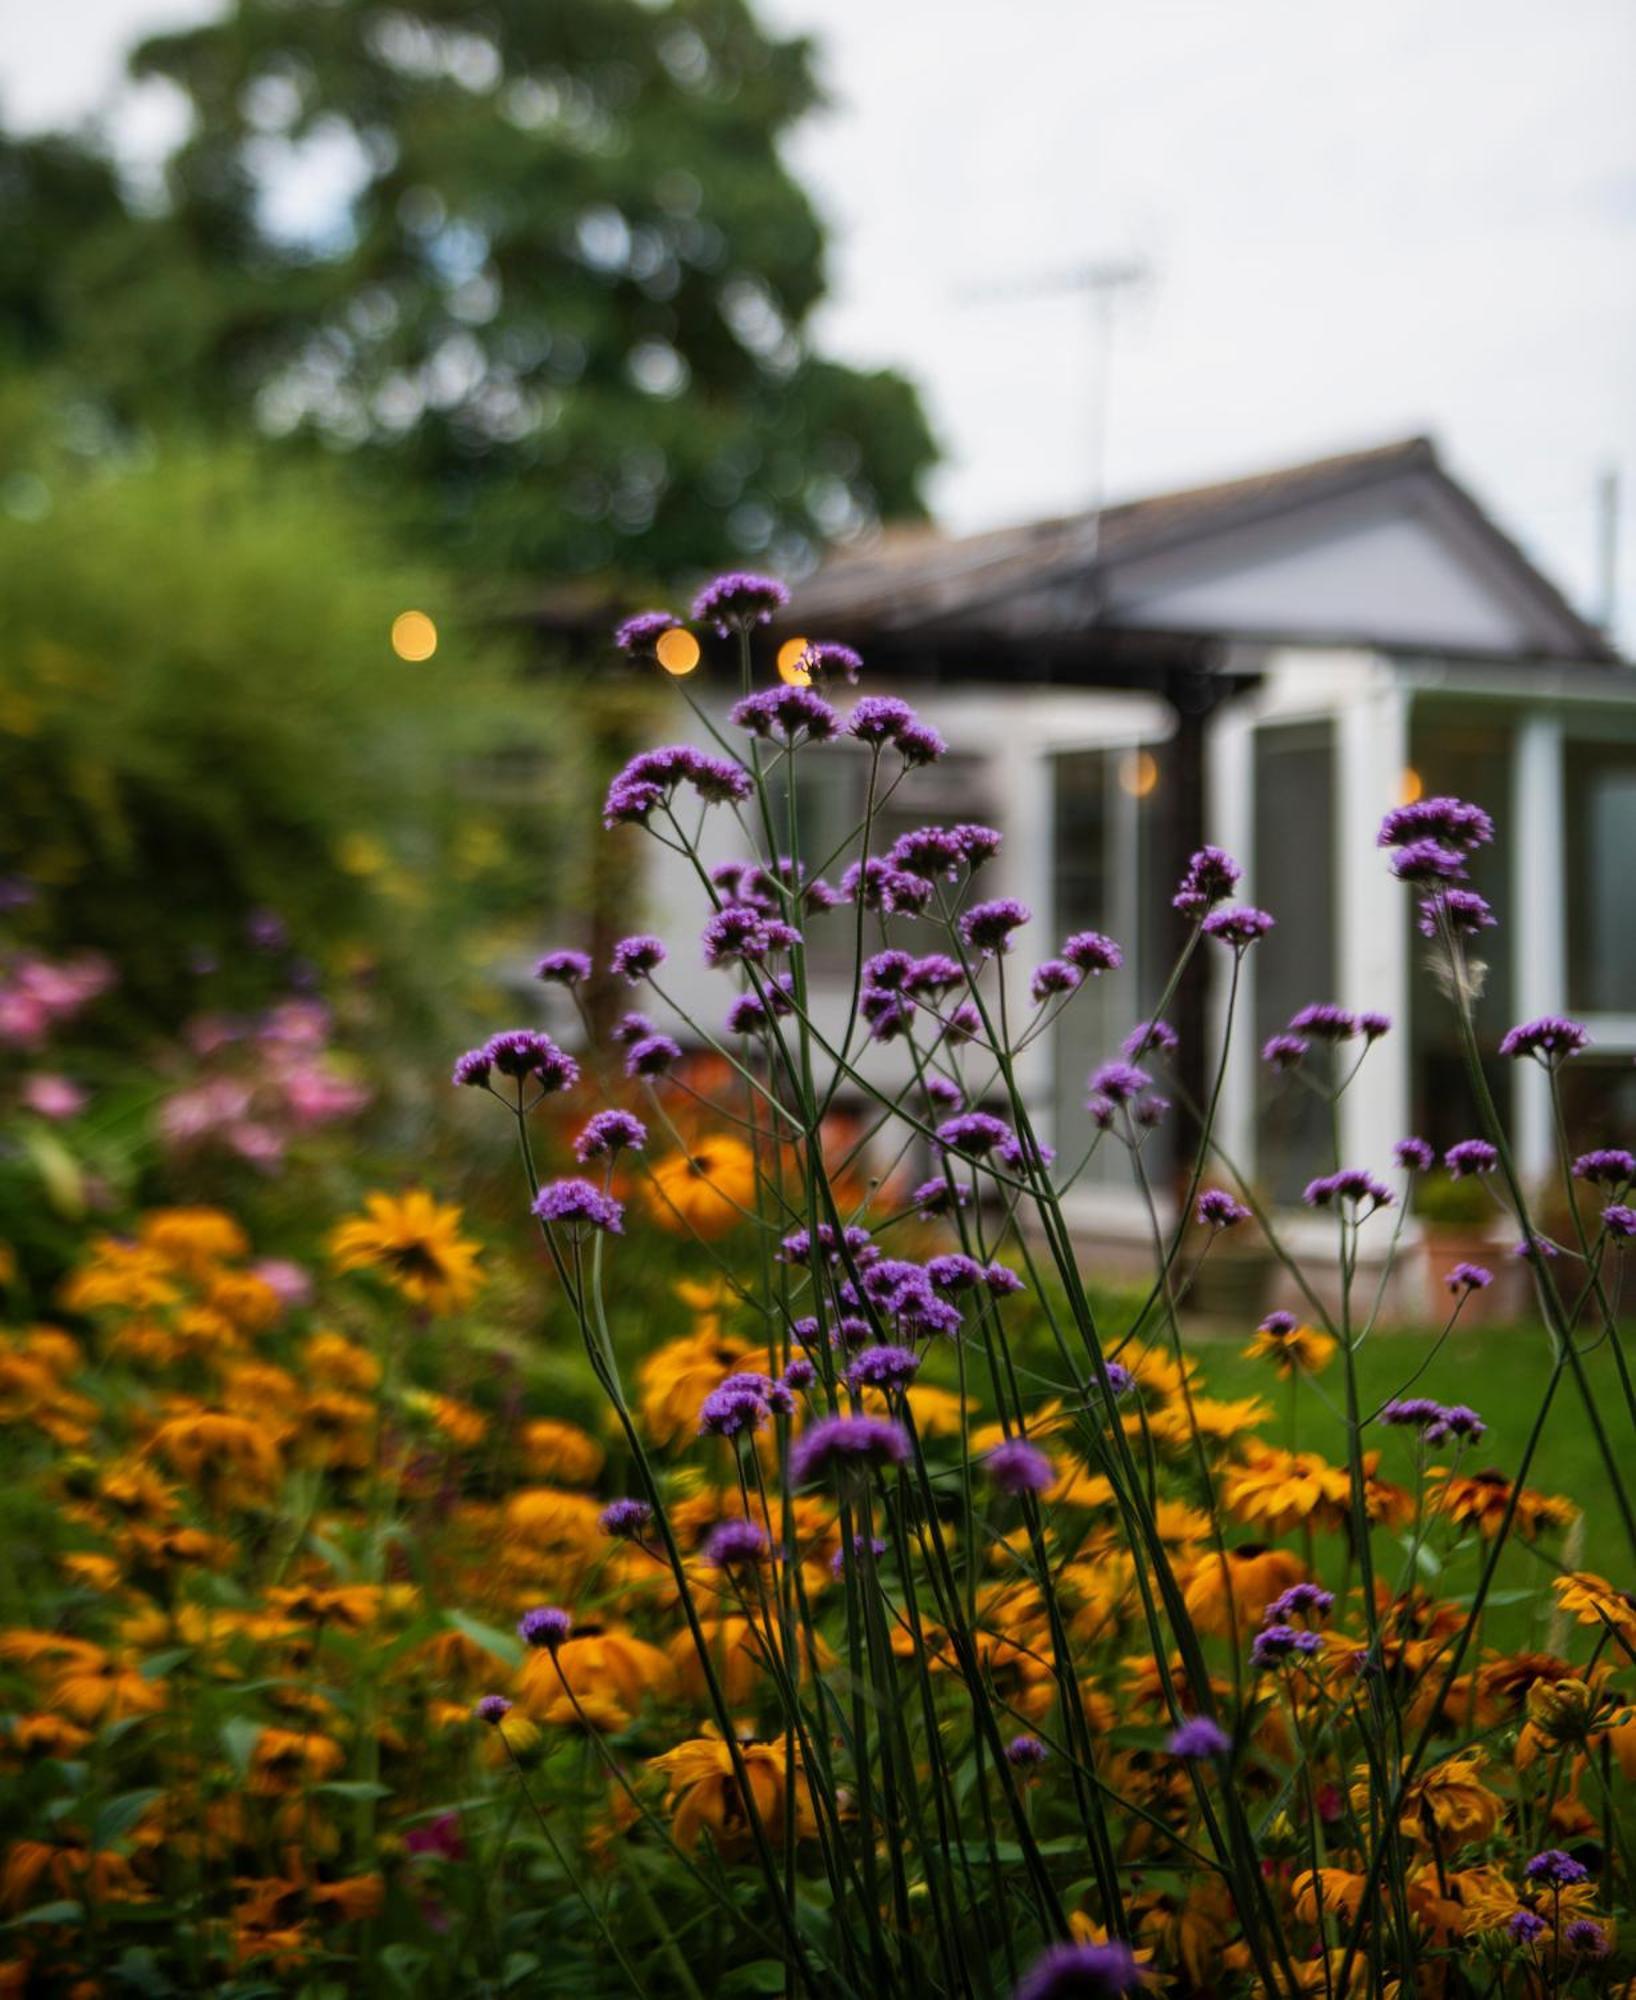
(1267, 663)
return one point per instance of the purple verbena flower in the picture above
(563, 968)
(1325, 1022)
(1092, 952)
(1082, 1972)
(1586, 1937)
(639, 634)
(579, 1204)
(1277, 1644)
(938, 1197)
(635, 957)
(1353, 1184)
(1458, 1421)
(625, 1520)
(1210, 877)
(473, 1069)
(652, 1056)
(606, 1133)
(1523, 1926)
(883, 1368)
(880, 718)
(1026, 1753)
(973, 1133)
(1428, 861)
(1471, 1156)
(1283, 1051)
(1466, 1278)
(1217, 1209)
(1550, 1039)
(632, 1027)
(987, 927)
(1463, 910)
(789, 712)
(1556, 1870)
(1414, 1156)
(1199, 1737)
(1147, 1036)
(1453, 822)
(1016, 1467)
(1301, 1600)
(491, 1708)
(1239, 926)
(1619, 1220)
(544, 1627)
(737, 1404)
(1119, 1082)
(1051, 977)
(847, 1444)
(738, 601)
(1606, 1166)
(735, 1545)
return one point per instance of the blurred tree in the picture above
(539, 268)
(208, 743)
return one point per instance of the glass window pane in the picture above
(1457, 751)
(1293, 876)
(1600, 791)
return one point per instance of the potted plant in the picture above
(1457, 1219)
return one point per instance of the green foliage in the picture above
(201, 715)
(1439, 1197)
(556, 311)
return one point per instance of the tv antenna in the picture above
(1103, 282)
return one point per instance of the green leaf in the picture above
(50, 1913)
(160, 1664)
(119, 1815)
(355, 1788)
(764, 1975)
(239, 1739)
(503, 1645)
(406, 1965)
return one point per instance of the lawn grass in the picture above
(1503, 1374)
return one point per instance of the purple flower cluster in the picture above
(848, 1445)
(1555, 1870)
(740, 932)
(1217, 1209)
(607, 1133)
(881, 719)
(1026, 1753)
(545, 1627)
(1466, 1278)
(987, 927)
(625, 1520)
(735, 1545)
(973, 1133)
(1276, 1645)
(1199, 1737)
(1436, 1422)
(1551, 1039)
(579, 1206)
(1606, 1166)
(883, 1368)
(1463, 910)
(790, 712)
(852, 1244)
(1019, 1467)
(633, 958)
(641, 632)
(738, 601)
(1351, 1184)
(563, 968)
(742, 1403)
(1241, 926)
(1082, 1972)
(933, 851)
(1470, 1156)
(652, 1055)
(1454, 823)
(829, 660)
(525, 1055)
(651, 777)
(1301, 1600)
(1091, 952)
(1210, 879)
(1414, 1156)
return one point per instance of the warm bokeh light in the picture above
(414, 636)
(1138, 772)
(1409, 786)
(677, 651)
(790, 669)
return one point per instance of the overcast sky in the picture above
(1360, 221)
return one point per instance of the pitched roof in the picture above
(910, 579)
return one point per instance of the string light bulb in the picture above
(677, 651)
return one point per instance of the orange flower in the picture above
(704, 1792)
(705, 1189)
(552, 1449)
(1480, 1499)
(1294, 1350)
(416, 1245)
(1238, 1587)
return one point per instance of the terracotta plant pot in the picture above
(1443, 1245)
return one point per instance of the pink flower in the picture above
(290, 1280)
(50, 1096)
